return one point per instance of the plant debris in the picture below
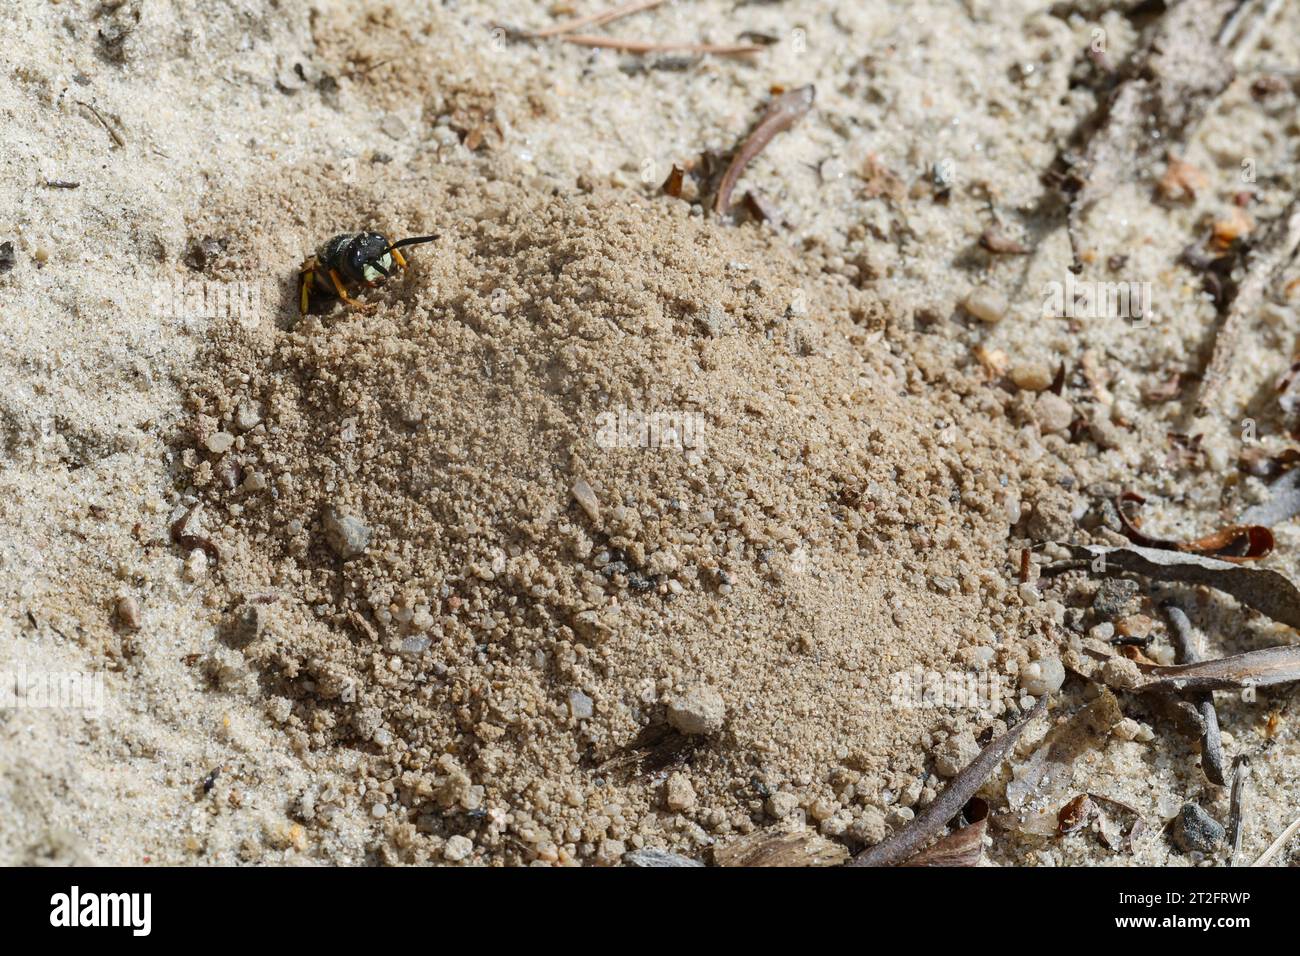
(907, 841)
(1237, 806)
(597, 19)
(962, 847)
(1109, 833)
(1211, 740)
(646, 46)
(1234, 543)
(1157, 101)
(673, 184)
(1278, 247)
(1075, 814)
(1267, 591)
(109, 127)
(762, 208)
(183, 534)
(1261, 668)
(764, 848)
(781, 114)
(1277, 844)
(1048, 772)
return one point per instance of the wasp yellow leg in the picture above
(304, 284)
(343, 293)
(397, 257)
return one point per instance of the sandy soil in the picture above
(510, 671)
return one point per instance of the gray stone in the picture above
(581, 707)
(1197, 831)
(347, 534)
(1115, 597)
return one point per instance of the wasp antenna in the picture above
(412, 241)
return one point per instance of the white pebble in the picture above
(586, 497)
(457, 848)
(220, 442)
(1042, 677)
(699, 710)
(986, 305)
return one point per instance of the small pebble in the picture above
(1197, 831)
(248, 416)
(678, 793)
(898, 816)
(128, 612)
(1126, 729)
(1105, 432)
(1135, 625)
(457, 848)
(1102, 632)
(1114, 597)
(220, 442)
(196, 566)
(1042, 677)
(1032, 376)
(955, 753)
(1052, 412)
(347, 534)
(781, 804)
(586, 498)
(1121, 673)
(581, 707)
(986, 305)
(699, 710)
(869, 828)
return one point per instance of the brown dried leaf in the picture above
(963, 847)
(1234, 543)
(673, 184)
(1074, 814)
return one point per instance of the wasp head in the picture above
(366, 258)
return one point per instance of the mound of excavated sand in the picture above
(608, 528)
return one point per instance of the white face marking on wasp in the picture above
(374, 275)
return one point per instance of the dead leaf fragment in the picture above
(764, 848)
(1265, 590)
(1181, 181)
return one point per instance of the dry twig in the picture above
(907, 841)
(1237, 805)
(648, 46)
(1211, 741)
(1277, 844)
(596, 19)
(781, 114)
(1275, 250)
